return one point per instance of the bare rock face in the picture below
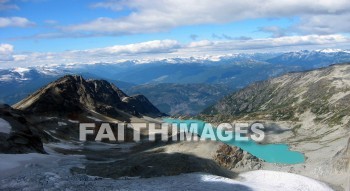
(232, 157)
(342, 159)
(17, 135)
(74, 94)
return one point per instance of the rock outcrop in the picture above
(18, 135)
(234, 158)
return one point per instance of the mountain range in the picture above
(229, 72)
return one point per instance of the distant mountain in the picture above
(181, 99)
(74, 94)
(18, 83)
(312, 59)
(322, 94)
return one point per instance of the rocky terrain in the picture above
(181, 99)
(323, 93)
(308, 110)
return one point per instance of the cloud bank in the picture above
(15, 22)
(6, 51)
(157, 16)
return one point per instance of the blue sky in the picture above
(137, 28)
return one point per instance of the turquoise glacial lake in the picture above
(272, 153)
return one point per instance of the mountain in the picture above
(181, 99)
(73, 94)
(233, 71)
(18, 83)
(325, 93)
(310, 111)
(312, 59)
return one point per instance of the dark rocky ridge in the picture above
(74, 94)
(23, 136)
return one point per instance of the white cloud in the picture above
(6, 5)
(6, 51)
(15, 22)
(285, 42)
(51, 22)
(274, 30)
(201, 43)
(325, 24)
(156, 46)
(154, 16)
(6, 48)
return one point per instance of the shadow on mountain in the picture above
(154, 164)
(274, 129)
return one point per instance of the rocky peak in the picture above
(71, 94)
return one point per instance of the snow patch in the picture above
(54, 172)
(10, 162)
(330, 50)
(21, 70)
(60, 123)
(94, 118)
(5, 127)
(73, 121)
(65, 145)
(272, 180)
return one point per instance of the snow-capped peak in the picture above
(329, 50)
(21, 71)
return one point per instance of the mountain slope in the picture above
(181, 99)
(324, 92)
(71, 94)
